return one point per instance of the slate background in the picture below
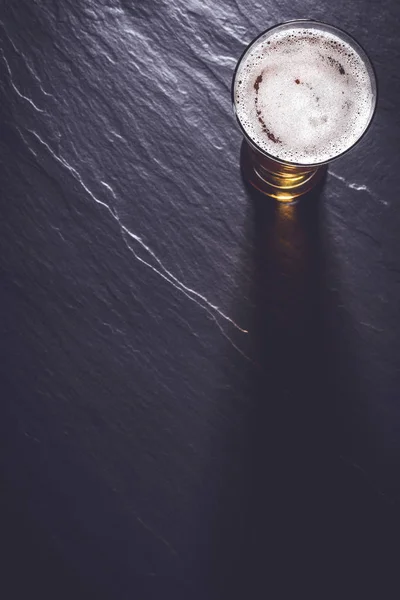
(199, 389)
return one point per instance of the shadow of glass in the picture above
(291, 513)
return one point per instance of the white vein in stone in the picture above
(167, 275)
(31, 150)
(370, 326)
(117, 135)
(358, 467)
(156, 535)
(17, 91)
(212, 316)
(358, 187)
(163, 272)
(109, 188)
(58, 231)
(26, 61)
(178, 282)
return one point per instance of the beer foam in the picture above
(303, 94)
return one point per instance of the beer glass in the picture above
(304, 93)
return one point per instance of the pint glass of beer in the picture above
(304, 93)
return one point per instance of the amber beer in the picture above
(304, 93)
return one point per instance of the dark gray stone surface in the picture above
(199, 390)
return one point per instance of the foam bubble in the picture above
(305, 95)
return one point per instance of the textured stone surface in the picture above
(199, 392)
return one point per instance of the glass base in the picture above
(285, 183)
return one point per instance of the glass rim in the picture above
(364, 56)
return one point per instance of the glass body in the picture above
(282, 179)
